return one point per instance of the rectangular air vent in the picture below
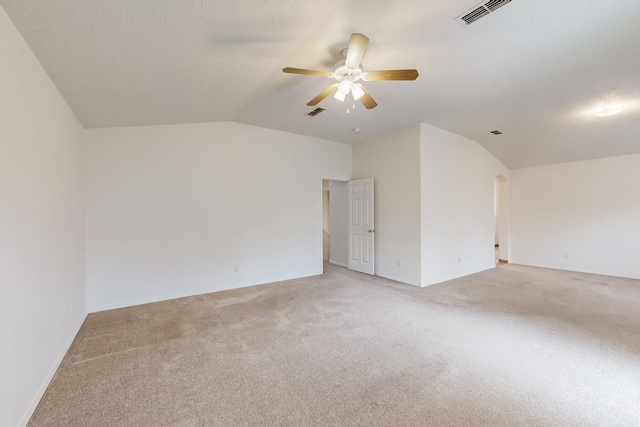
(316, 112)
(474, 15)
(480, 10)
(494, 5)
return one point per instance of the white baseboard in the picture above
(577, 270)
(397, 279)
(45, 384)
(92, 308)
(457, 275)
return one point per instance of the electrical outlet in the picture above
(567, 255)
(398, 263)
(459, 260)
(236, 268)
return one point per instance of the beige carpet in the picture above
(510, 346)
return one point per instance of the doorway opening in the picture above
(334, 222)
(348, 237)
(501, 213)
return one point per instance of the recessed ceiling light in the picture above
(496, 132)
(607, 110)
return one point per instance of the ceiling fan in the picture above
(349, 72)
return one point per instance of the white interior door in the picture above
(361, 231)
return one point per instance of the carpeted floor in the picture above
(512, 346)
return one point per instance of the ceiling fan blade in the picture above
(391, 75)
(308, 72)
(357, 46)
(367, 100)
(322, 95)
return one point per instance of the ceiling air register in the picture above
(480, 10)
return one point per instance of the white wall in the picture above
(172, 210)
(457, 190)
(580, 216)
(393, 160)
(338, 213)
(42, 286)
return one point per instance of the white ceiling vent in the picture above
(480, 10)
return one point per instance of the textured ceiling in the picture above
(530, 69)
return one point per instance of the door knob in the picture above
(371, 231)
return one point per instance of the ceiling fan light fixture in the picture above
(357, 91)
(349, 72)
(344, 87)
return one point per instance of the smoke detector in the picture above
(480, 11)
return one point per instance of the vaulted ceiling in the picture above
(533, 69)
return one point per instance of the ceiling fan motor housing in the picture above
(341, 71)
